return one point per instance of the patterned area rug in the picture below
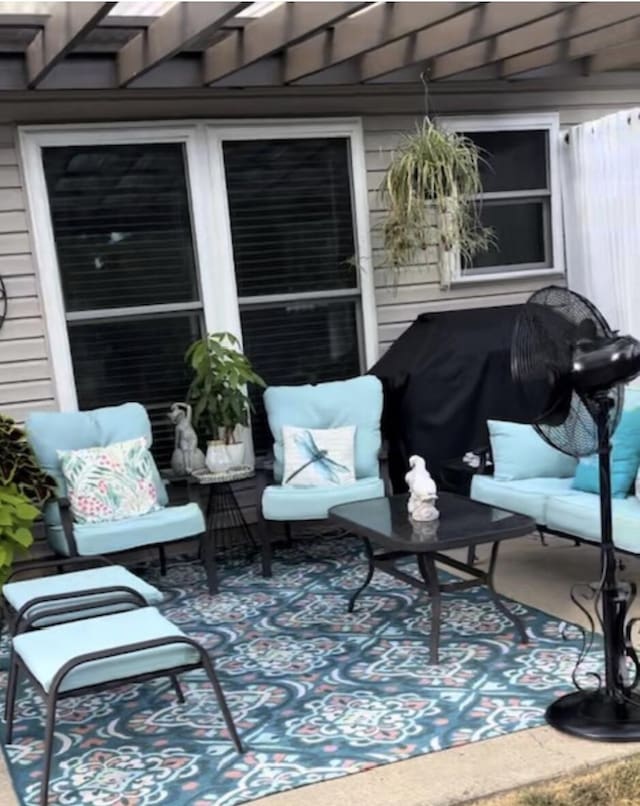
(316, 693)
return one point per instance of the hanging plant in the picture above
(433, 181)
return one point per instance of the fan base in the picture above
(595, 715)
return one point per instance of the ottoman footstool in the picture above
(84, 656)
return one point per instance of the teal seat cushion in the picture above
(625, 459)
(357, 401)
(162, 526)
(579, 514)
(18, 594)
(519, 452)
(525, 496)
(45, 652)
(286, 503)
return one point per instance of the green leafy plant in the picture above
(218, 391)
(24, 489)
(433, 180)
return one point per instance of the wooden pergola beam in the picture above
(65, 26)
(617, 58)
(478, 23)
(570, 49)
(170, 33)
(381, 24)
(286, 25)
(578, 19)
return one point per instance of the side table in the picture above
(228, 539)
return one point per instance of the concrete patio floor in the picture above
(530, 573)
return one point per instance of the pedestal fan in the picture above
(573, 368)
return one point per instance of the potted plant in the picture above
(24, 489)
(430, 192)
(219, 398)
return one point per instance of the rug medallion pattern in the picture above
(316, 692)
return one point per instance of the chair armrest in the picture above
(264, 477)
(485, 467)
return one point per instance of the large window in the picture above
(122, 230)
(294, 249)
(146, 237)
(520, 201)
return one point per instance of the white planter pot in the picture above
(217, 458)
(235, 452)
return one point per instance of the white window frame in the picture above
(213, 251)
(549, 122)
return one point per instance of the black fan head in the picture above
(547, 331)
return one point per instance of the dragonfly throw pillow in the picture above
(110, 483)
(318, 457)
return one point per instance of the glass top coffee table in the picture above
(463, 523)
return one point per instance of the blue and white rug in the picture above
(316, 693)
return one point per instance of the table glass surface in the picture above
(462, 522)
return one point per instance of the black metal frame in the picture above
(426, 560)
(51, 697)
(264, 477)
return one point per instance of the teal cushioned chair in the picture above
(49, 432)
(357, 402)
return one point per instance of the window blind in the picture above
(122, 228)
(292, 229)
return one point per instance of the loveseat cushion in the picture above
(579, 514)
(286, 503)
(525, 496)
(519, 452)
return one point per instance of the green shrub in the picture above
(24, 488)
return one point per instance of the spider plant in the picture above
(434, 170)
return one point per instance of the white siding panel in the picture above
(8, 156)
(9, 176)
(21, 308)
(14, 243)
(19, 411)
(11, 199)
(23, 350)
(25, 392)
(20, 329)
(18, 371)
(20, 286)
(16, 265)
(14, 221)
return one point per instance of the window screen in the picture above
(122, 229)
(291, 211)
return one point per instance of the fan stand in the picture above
(610, 713)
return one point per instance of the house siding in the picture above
(25, 368)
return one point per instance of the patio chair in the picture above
(49, 432)
(356, 402)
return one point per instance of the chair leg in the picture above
(266, 548)
(288, 531)
(177, 688)
(48, 747)
(543, 537)
(10, 701)
(222, 702)
(163, 560)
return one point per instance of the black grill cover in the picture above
(443, 378)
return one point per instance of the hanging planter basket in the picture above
(430, 191)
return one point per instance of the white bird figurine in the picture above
(423, 491)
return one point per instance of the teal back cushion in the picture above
(50, 432)
(625, 455)
(357, 401)
(519, 452)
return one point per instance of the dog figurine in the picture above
(186, 456)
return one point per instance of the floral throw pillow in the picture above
(110, 483)
(318, 457)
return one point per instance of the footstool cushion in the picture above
(44, 652)
(19, 593)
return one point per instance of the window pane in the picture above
(300, 343)
(121, 224)
(519, 229)
(514, 160)
(141, 360)
(291, 215)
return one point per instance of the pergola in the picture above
(83, 45)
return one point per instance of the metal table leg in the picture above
(369, 577)
(496, 599)
(427, 568)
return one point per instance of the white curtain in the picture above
(601, 207)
